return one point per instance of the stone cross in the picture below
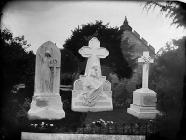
(145, 59)
(94, 52)
(47, 73)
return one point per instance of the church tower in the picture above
(139, 44)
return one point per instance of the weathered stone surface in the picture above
(94, 52)
(142, 112)
(144, 99)
(47, 71)
(53, 136)
(46, 102)
(92, 92)
(146, 60)
(102, 102)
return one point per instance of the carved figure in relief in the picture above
(92, 86)
(46, 73)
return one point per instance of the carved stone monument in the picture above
(92, 92)
(46, 102)
(144, 99)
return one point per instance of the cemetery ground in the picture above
(118, 121)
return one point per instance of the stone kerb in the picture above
(48, 136)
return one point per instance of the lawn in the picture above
(117, 115)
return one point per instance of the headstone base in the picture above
(104, 103)
(144, 97)
(144, 104)
(142, 112)
(47, 107)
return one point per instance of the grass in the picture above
(117, 115)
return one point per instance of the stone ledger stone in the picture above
(46, 102)
(48, 136)
(92, 92)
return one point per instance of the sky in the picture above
(41, 21)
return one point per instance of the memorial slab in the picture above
(92, 92)
(46, 102)
(144, 99)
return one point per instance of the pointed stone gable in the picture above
(139, 46)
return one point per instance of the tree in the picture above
(175, 10)
(172, 9)
(109, 38)
(17, 64)
(17, 67)
(166, 78)
(69, 67)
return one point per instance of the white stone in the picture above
(92, 92)
(46, 102)
(55, 136)
(144, 104)
(143, 112)
(146, 60)
(144, 99)
(94, 52)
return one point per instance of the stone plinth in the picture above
(46, 107)
(54, 136)
(103, 102)
(144, 104)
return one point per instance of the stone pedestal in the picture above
(144, 104)
(46, 107)
(103, 102)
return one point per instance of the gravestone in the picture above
(144, 99)
(92, 92)
(46, 102)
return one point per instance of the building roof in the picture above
(132, 35)
(125, 25)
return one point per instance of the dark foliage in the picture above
(69, 67)
(17, 68)
(17, 65)
(166, 78)
(172, 9)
